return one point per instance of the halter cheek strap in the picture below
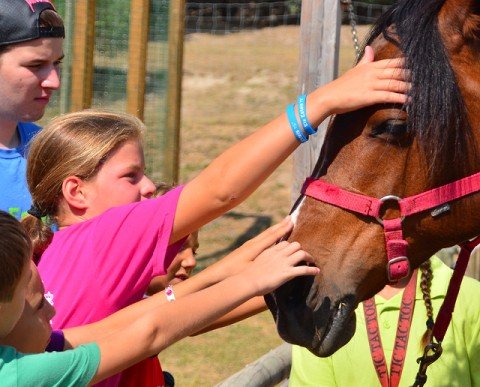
(437, 199)
(398, 266)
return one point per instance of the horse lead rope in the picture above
(401, 339)
(445, 314)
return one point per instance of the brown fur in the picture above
(350, 248)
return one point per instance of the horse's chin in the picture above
(322, 329)
(340, 329)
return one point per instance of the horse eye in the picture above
(390, 128)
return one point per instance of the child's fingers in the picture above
(390, 63)
(303, 270)
(293, 252)
(391, 97)
(392, 85)
(287, 248)
(275, 232)
(368, 55)
(400, 74)
(309, 258)
(271, 235)
(300, 256)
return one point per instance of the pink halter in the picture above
(436, 200)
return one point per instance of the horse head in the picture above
(390, 150)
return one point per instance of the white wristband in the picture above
(169, 293)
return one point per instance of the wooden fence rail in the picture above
(269, 370)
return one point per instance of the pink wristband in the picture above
(169, 293)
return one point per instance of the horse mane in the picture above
(437, 114)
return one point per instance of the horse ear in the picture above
(471, 27)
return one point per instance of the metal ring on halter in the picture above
(387, 199)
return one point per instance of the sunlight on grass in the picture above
(210, 358)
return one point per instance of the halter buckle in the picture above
(393, 277)
(388, 198)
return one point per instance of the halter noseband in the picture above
(436, 200)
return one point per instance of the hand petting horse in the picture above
(351, 217)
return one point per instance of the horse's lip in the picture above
(339, 330)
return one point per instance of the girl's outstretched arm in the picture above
(238, 171)
(248, 309)
(232, 264)
(152, 331)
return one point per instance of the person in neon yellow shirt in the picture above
(352, 365)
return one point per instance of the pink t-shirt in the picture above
(97, 267)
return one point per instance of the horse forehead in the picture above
(384, 49)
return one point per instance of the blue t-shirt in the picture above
(14, 195)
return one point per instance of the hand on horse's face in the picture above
(238, 259)
(369, 83)
(277, 265)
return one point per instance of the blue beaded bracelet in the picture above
(302, 113)
(292, 119)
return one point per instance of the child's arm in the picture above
(232, 264)
(248, 309)
(237, 172)
(152, 331)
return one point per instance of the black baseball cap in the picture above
(19, 21)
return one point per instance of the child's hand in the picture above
(240, 257)
(277, 265)
(368, 83)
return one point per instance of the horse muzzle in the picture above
(321, 327)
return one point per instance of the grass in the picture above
(232, 85)
(207, 359)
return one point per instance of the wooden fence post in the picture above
(137, 56)
(176, 31)
(319, 46)
(82, 71)
(66, 84)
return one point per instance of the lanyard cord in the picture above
(401, 339)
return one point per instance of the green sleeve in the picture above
(471, 303)
(310, 370)
(75, 367)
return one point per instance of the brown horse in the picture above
(390, 150)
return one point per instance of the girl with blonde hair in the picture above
(86, 174)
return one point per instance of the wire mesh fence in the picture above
(110, 67)
(223, 17)
(220, 17)
(368, 11)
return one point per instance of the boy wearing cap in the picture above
(31, 37)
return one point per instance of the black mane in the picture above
(437, 114)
